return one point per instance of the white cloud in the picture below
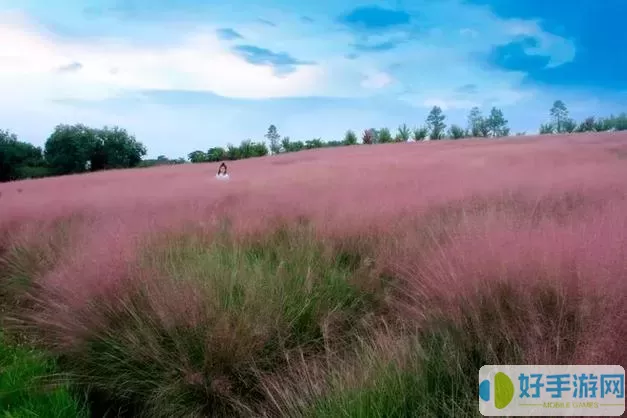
(559, 50)
(30, 58)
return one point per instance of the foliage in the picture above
(404, 134)
(384, 136)
(77, 148)
(587, 125)
(546, 128)
(559, 114)
(476, 123)
(435, 123)
(23, 391)
(350, 138)
(19, 159)
(496, 124)
(273, 138)
(420, 134)
(569, 125)
(456, 132)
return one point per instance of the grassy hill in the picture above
(361, 281)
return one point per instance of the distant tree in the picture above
(384, 136)
(197, 157)
(602, 125)
(70, 148)
(587, 125)
(420, 134)
(569, 125)
(286, 145)
(559, 115)
(368, 137)
(435, 122)
(546, 128)
(216, 154)
(273, 137)
(350, 138)
(496, 123)
(19, 159)
(334, 143)
(456, 132)
(476, 123)
(116, 148)
(259, 149)
(521, 133)
(233, 153)
(314, 143)
(403, 134)
(620, 122)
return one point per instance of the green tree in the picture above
(476, 123)
(116, 148)
(384, 136)
(420, 134)
(216, 154)
(19, 159)
(273, 138)
(350, 138)
(620, 122)
(403, 134)
(197, 157)
(456, 132)
(496, 123)
(435, 123)
(569, 125)
(559, 114)
(602, 125)
(233, 153)
(546, 128)
(286, 145)
(334, 144)
(259, 149)
(70, 149)
(314, 143)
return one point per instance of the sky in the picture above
(185, 75)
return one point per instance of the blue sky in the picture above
(189, 74)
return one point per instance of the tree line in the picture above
(77, 148)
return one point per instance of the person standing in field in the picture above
(222, 172)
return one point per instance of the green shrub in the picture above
(198, 337)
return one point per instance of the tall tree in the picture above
(435, 123)
(273, 137)
(559, 114)
(476, 123)
(496, 123)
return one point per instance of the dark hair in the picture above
(220, 168)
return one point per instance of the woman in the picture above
(222, 173)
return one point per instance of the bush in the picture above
(221, 316)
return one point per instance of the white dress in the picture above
(222, 176)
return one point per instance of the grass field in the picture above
(362, 281)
